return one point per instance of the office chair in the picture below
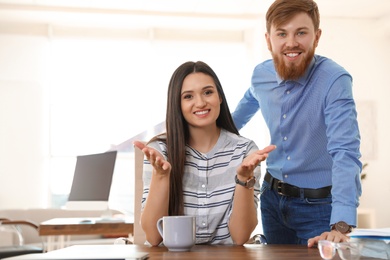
(17, 247)
(257, 239)
(139, 234)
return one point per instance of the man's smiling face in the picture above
(292, 46)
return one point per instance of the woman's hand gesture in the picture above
(249, 164)
(160, 165)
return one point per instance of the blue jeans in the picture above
(289, 220)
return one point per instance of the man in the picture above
(312, 186)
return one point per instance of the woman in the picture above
(201, 166)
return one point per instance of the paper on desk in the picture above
(375, 242)
(378, 233)
(87, 252)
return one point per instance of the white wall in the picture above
(360, 46)
(22, 142)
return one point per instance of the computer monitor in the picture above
(92, 181)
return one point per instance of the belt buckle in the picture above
(279, 187)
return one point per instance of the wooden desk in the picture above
(63, 228)
(197, 252)
(237, 252)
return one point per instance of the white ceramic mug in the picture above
(178, 232)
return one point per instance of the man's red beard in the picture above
(292, 71)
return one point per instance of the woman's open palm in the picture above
(249, 164)
(160, 165)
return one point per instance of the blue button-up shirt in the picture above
(312, 121)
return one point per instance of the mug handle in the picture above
(160, 227)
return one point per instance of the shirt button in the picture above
(285, 176)
(285, 138)
(203, 223)
(288, 91)
(284, 116)
(288, 157)
(203, 185)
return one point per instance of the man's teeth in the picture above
(292, 55)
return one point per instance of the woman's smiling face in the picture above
(200, 101)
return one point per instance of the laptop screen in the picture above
(93, 177)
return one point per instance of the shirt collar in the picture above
(302, 79)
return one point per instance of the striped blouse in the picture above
(209, 184)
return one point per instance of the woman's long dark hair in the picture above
(177, 132)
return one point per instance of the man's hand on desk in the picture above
(334, 236)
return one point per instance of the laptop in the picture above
(92, 181)
(88, 252)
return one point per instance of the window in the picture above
(103, 91)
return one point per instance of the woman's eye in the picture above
(208, 92)
(188, 96)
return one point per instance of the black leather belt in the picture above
(286, 189)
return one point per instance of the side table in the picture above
(59, 230)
